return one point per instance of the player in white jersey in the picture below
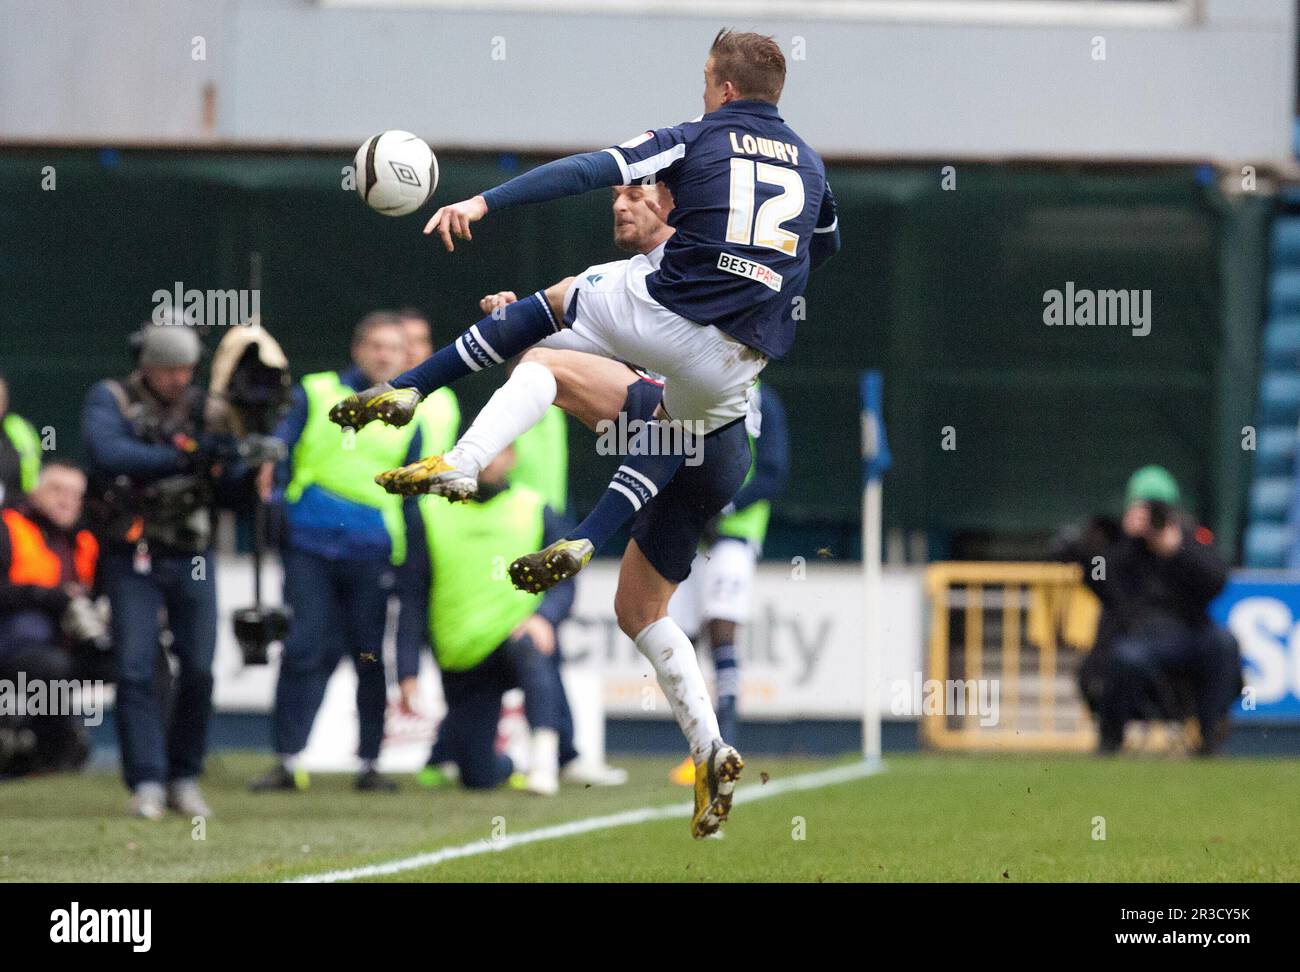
(597, 389)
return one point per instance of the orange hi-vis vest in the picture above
(34, 563)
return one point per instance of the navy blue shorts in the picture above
(669, 528)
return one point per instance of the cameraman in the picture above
(1155, 576)
(158, 455)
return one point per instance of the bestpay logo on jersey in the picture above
(742, 267)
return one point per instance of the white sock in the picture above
(673, 657)
(289, 761)
(515, 408)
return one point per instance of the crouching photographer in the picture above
(1157, 654)
(161, 456)
(47, 581)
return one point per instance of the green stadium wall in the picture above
(941, 289)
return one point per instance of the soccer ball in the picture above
(396, 172)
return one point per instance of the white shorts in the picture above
(708, 375)
(720, 588)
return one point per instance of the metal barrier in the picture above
(1012, 634)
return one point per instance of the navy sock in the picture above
(727, 672)
(501, 335)
(637, 481)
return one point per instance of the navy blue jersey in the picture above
(749, 198)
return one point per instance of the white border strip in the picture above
(1023, 13)
(747, 793)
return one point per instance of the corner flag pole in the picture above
(875, 460)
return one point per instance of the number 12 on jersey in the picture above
(765, 228)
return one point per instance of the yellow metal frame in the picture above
(1050, 589)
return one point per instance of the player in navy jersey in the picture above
(753, 215)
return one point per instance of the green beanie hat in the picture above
(1152, 483)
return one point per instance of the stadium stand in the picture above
(1273, 513)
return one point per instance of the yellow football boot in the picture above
(432, 475)
(392, 406)
(537, 572)
(715, 781)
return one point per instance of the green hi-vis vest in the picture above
(27, 443)
(473, 606)
(542, 459)
(439, 421)
(345, 463)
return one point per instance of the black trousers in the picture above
(468, 733)
(1143, 668)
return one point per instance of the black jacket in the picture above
(1140, 590)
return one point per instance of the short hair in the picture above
(752, 62)
(379, 318)
(411, 311)
(68, 464)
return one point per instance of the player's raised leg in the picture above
(709, 393)
(514, 408)
(502, 334)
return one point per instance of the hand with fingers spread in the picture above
(392, 406)
(454, 220)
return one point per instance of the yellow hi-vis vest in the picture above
(542, 459)
(473, 606)
(438, 417)
(345, 463)
(27, 443)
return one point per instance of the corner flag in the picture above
(875, 460)
(875, 448)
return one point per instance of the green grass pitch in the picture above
(925, 818)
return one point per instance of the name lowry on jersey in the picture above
(747, 144)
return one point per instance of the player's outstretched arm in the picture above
(564, 177)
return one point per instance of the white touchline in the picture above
(746, 793)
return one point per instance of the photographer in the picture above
(1157, 653)
(47, 574)
(159, 455)
(344, 551)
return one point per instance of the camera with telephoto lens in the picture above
(1160, 514)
